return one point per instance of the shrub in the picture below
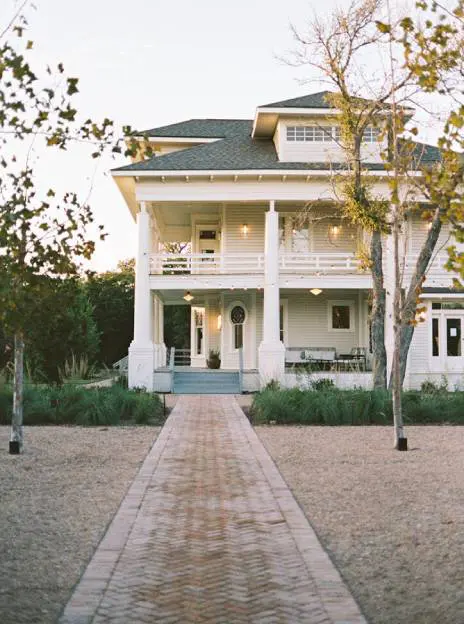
(429, 387)
(77, 367)
(214, 359)
(322, 384)
(354, 407)
(77, 405)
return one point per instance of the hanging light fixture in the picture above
(315, 291)
(188, 296)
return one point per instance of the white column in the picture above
(271, 349)
(163, 350)
(141, 353)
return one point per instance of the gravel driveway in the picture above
(55, 503)
(393, 522)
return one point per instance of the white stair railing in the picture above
(240, 370)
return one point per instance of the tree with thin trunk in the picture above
(336, 50)
(41, 234)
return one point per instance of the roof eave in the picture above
(188, 173)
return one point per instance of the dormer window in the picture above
(314, 134)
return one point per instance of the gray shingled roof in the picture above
(241, 152)
(236, 153)
(202, 128)
(312, 100)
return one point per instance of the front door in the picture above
(447, 339)
(208, 247)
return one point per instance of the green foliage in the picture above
(111, 296)
(77, 367)
(77, 405)
(354, 407)
(214, 359)
(429, 387)
(323, 383)
(61, 328)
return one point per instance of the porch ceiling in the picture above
(175, 297)
(180, 214)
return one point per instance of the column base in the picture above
(271, 358)
(141, 366)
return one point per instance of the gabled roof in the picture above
(201, 128)
(312, 100)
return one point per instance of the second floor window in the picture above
(314, 134)
(326, 134)
(371, 134)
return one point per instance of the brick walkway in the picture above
(210, 533)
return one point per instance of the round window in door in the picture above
(237, 316)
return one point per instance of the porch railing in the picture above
(318, 263)
(178, 357)
(436, 269)
(205, 264)
(249, 263)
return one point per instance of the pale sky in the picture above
(147, 63)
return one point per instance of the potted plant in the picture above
(214, 359)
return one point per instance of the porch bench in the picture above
(320, 356)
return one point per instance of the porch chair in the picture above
(354, 361)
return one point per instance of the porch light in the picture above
(188, 296)
(219, 321)
(244, 229)
(334, 230)
(315, 291)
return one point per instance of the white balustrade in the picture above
(436, 270)
(252, 263)
(206, 264)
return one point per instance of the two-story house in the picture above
(272, 270)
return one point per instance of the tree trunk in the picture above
(397, 325)
(16, 438)
(379, 355)
(409, 308)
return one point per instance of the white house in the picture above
(272, 267)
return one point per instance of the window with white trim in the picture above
(371, 134)
(237, 317)
(341, 316)
(198, 323)
(313, 134)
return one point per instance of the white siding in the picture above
(308, 321)
(296, 151)
(240, 214)
(437, 275)
(326, 240)
(418, 229)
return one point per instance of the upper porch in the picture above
(220, 244)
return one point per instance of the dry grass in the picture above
(392, 522)
(55, 503)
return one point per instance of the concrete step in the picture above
(214, 382)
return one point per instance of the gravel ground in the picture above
(392, 522)
(56, 501)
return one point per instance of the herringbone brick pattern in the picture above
(209, 533)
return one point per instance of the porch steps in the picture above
(206, 382)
